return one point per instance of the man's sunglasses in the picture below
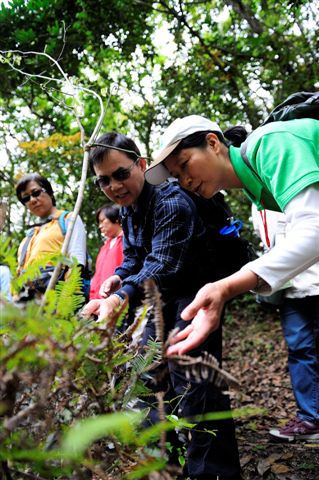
(34, 194)
(119, 175)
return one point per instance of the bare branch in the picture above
(73, 91)
(245, 12)
(26, 342)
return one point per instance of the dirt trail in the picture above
(255, 353)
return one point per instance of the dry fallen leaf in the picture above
(245, 460)
(262, 467)
(273, 458)
(279, 468)
(287, 456)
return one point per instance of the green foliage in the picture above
(123, 425)
(33, 271)
(65, 302)
(146, 468)
(66, 384)
(306, 466)
(232, 64)
(8, 254)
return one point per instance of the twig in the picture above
(162, 418)
(93, 359)
(75, 90)
(11, 423)
(27, 475)
(23, 344)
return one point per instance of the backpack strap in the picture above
(62, 222)
(30, 233)
(255, 188)
(243, 153)
(24, 249)
(190, 201)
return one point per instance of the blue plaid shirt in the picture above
(161, 236)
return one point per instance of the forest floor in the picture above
(255, 353)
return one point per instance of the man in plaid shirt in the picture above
(164, 241)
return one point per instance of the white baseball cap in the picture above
(178, 130)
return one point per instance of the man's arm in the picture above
(173, 232)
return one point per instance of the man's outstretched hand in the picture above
(110, 285)
(103, 309)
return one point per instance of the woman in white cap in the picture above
(281, 173)
(278, 168)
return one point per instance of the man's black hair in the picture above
(113, 139)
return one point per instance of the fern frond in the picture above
(204, 368)
(33, 271)
(150, 355)
(30, 274)
(153, 299)
(8, 253)
(69, 297)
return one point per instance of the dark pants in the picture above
(212, 448)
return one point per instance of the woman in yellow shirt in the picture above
(45, 237)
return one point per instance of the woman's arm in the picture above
(299, 250)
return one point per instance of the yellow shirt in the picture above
(46, 239)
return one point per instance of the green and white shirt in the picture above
(285, 156)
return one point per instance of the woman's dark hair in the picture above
(112, 213)
(231, 136)
(41, 181)
(235, 135)
(113, 139)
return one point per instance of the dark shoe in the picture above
(295, 430)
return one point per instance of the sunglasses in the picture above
(119, 175)
(34, 194)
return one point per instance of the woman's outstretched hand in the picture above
(206, 309)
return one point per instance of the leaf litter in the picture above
(256, 354)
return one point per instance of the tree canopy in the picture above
(151, 62)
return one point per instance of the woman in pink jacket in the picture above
(110, 255)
